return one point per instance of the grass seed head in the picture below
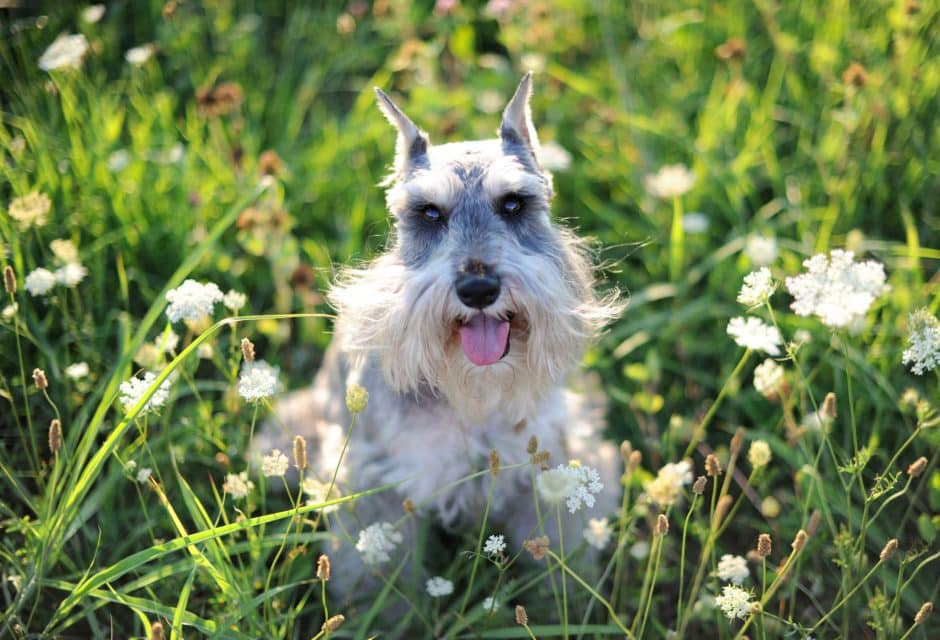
(799, 541)
(39, 378)
(55, 436)
(828, 412)
(9, 280)
(323, 567)
(156, 631)
(712, 466)
(334, 623)
(813, 523)
(917, 467)
(248, 350)
(721, 509)
(300, 452)
(662, 525)
(538, 547)
(925, 610)
(532, 446)
(764, 545)
(698, 487)
(494, 463)
(357, 398)
(889, 550)
(626, 449)
(633, 463)
(521, 616)
(408, 505)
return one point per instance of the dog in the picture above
(464, 332)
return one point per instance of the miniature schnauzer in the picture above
(464, 333)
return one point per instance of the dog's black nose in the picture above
(477, 291)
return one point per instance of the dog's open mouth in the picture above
(485, 339)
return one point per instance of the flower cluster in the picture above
(238, 485)
(836, 289)
(30, 210)
(575, 484)
(134, 389)
(733, 569)
(761, 250)
(734, 602)
(768, 378)
(924, 341)
(274, 464)
(438, 587)
(65, 52)
(598, 532)
(671, 181)
(757, 288)
(376, 541)
(192, 300)
(318, 492)
(753, 333)
(257, 381)
(494, 545)
(666, 488)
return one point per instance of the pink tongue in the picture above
(484, 339)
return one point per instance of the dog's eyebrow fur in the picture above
(439, 188)
(507, 175)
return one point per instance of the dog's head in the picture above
(480, 297)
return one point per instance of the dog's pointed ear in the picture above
(411, 148)
(516, 127)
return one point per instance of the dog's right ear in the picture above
(411, 148)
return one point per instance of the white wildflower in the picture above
(133, 390)
(755, 334)
(192, 300)
(274, 464)
(734, 602)
(71, 274)
(598, 532)
(167, 341)
(376, 541)
(761, 250)
(733, 569)
(144, 474)
(30, 210)
(768, 377)
(670, 181)
(640, 549)
(64, 250)
(836, 289)
(118, 161)
(234, 300)
(238, 485)
(494, 545)
(258, 380)
(204, 351)
(695, 222)
(759, 454)
(490, 604)
(554, 157)
(77, 371)
(10, 310)
(573, 483)
(757, 288)
(666, 488)
(138, 56)
(39, 281)
(924, 341)
(317, 492)
(93, 13)
(438, 586)
(66, 51)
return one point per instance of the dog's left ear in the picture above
(411, 148)
(516, 128)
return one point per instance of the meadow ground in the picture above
(695, 142)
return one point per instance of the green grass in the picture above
(784, 141)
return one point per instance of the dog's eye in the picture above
(431, 213)
(512, 204)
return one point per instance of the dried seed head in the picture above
(9, 280)
(269, 163)
(156, 631)
(39, 378)
(737, 441)
(55, 436)
(494, 463)
(521, 616)
(625, 450)
(323, 567)
(889, 550)
(855, 75)
(828, 412)
(721, 509)
(633, 463)
(925, 610)
(712, 466)
(538, 547)
(357, 398)
(763, 545)
(248, 350)
(662, 525)
(541, 458)
(300, 452)
(698, 487)
(813, 524)
(334, 623)
(532, 446)
(409, 506)
(799, 541)
(917, 467)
